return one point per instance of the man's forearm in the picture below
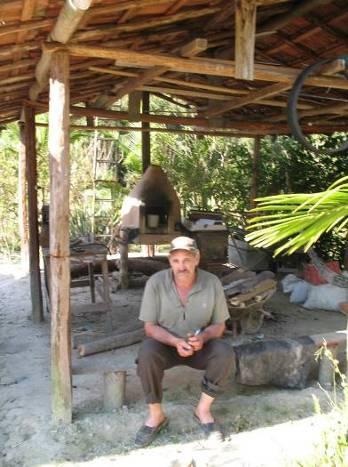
(213, 331)
(160, 334)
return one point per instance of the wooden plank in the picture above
(34, 253)
(245, 25)
(58, 146)
(203, 66)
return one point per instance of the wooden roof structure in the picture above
(229, 64)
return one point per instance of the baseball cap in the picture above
(183, 243)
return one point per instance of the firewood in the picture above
(114, 341)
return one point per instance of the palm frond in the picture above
(297, 221)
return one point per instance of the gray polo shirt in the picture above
(161, 304)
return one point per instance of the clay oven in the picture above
(152, 207)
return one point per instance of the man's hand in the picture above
(196, 342)
(183, 348)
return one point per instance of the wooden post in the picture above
(254, 175)
(245, 17)
(34, 254)
(326, 375)
(123, 247)
(114, 389)
(22, 199)
(145, 135)
(58, 146)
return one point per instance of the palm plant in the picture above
(295, 221)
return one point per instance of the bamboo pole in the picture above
(34, 255)
(58, 145)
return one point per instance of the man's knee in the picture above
(149, 352)
(221, 349)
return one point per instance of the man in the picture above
(184, 312)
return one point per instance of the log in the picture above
(67, 23)
(236, 275)
(111, 342)
(262, 287)
(147, 266)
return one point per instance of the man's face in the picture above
(183, 264)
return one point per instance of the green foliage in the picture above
(9, 238)
(332, 451)
(207, 172)
(298, 220)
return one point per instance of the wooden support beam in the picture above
(34, 253)
(333, 109)
(17, 66)
(260, 127)
(145, 136)
(67, 22)
(134, 100)
(252, 97)
(194, 48)
(255, 171)
(58, 147)
(150, 23)
(22, 199)
(212, 132)
(26, 26)
(224, 91)
(189, 50)
(245, 19)
(203, 66)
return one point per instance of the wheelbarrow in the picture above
(246, 310)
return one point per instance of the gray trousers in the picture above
(216, 358)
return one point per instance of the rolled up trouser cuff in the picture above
(209, 388)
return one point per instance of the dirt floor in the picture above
(264, 426)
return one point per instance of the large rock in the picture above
(285, 363)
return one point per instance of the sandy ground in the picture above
(264, 426)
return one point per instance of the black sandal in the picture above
(211, 430)
(147, 434)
